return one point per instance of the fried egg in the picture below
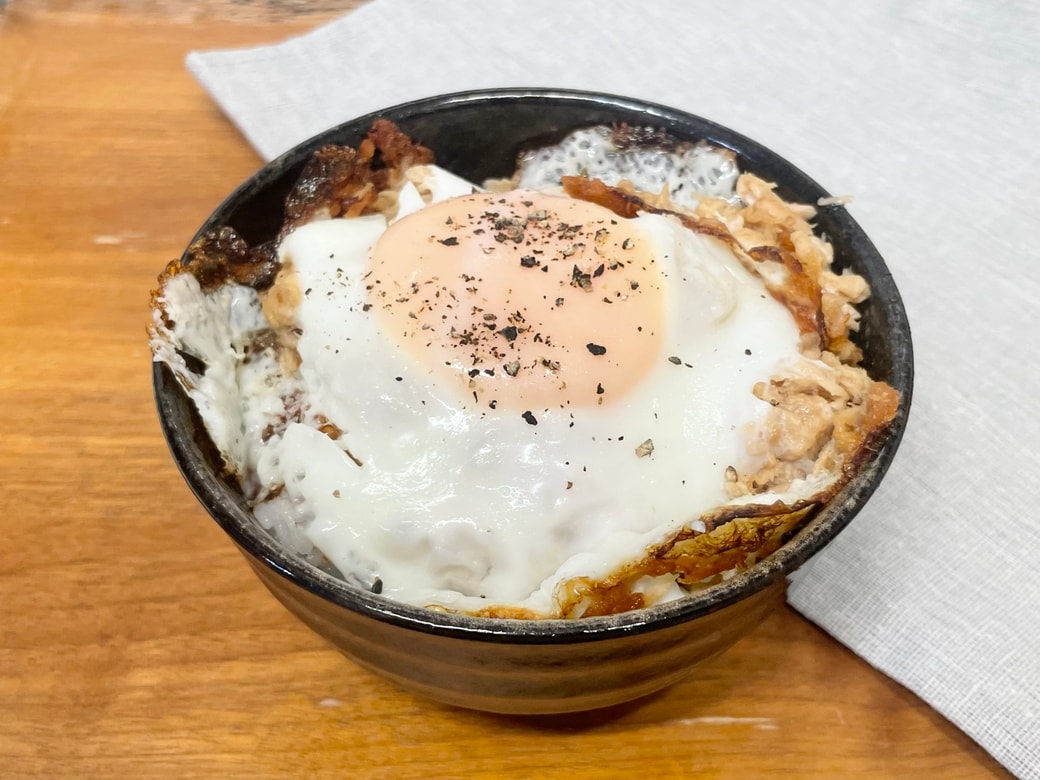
(501, 391)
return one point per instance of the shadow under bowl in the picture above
(549, 666)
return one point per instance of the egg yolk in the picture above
(525, 300)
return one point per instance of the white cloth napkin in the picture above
(928, 113)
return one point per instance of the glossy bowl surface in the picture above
(552, 665)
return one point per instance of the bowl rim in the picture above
(218, 499)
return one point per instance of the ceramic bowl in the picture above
(553, 665)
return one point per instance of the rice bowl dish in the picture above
(499, 664)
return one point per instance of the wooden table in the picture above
(134, 641)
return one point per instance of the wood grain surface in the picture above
(134, 641)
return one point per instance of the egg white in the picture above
(468, 507)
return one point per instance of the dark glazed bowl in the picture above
(553, 665)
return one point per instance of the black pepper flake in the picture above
(634, 285)
(512, 368)
(675, 361)
(377, 586)
(366, 307)
(528, 261)
(399, 378)
(599, 271)
(596, 349)
(450, 241)
(599, 389)
(559, 301)
(509, 332)
(493, 404)
(530, 418)
(747, 351)
(473, 372)
(581, 279)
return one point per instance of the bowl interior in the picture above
(478, 135)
